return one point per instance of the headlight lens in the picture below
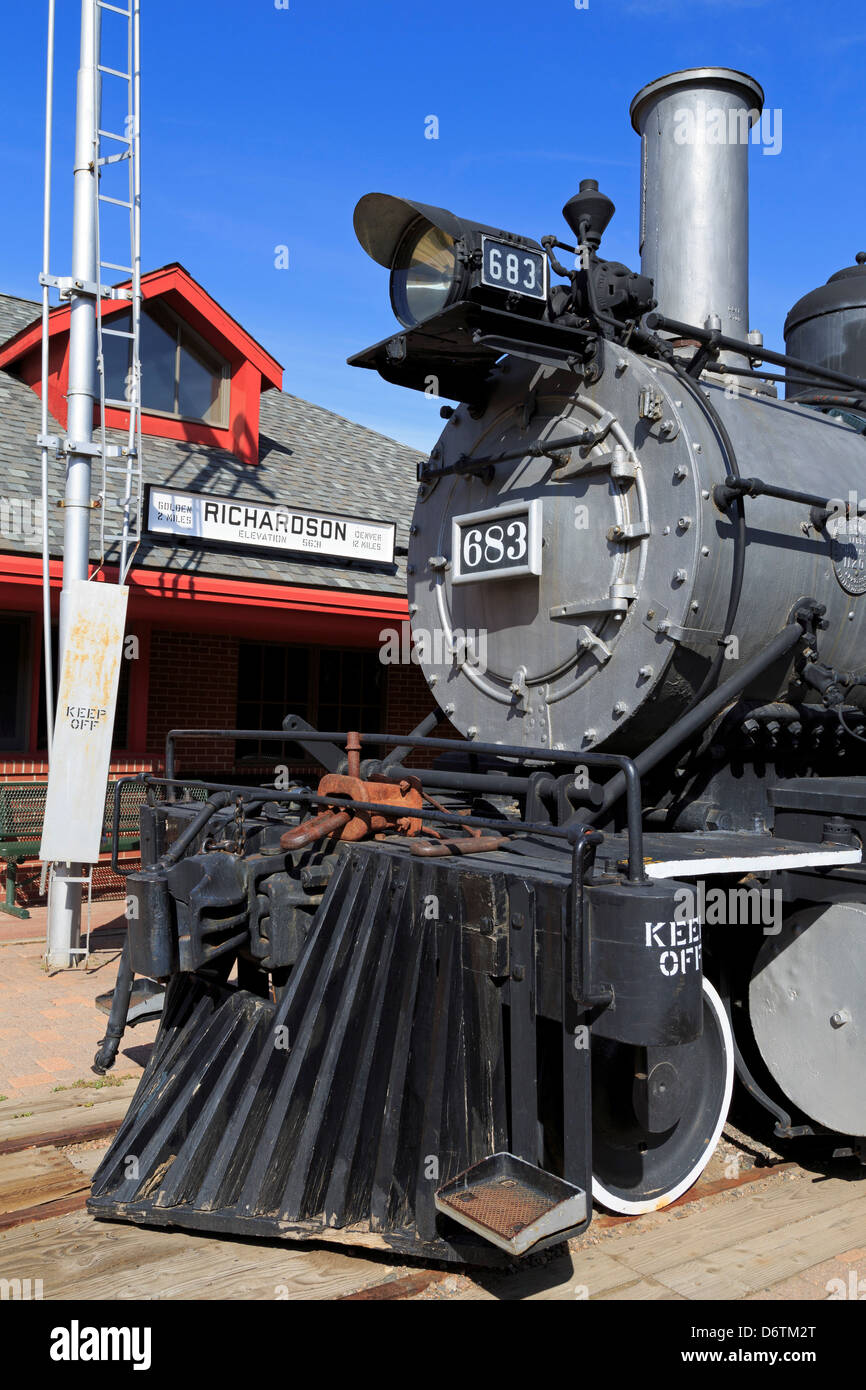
(424, 273)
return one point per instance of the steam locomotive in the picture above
(447, 1004)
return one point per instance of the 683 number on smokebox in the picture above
(503, 543)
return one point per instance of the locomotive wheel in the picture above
(637, 1168)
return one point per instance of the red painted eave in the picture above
(167, 280)
(208, 589)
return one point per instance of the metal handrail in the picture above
(625, 767)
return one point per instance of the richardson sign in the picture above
(235, 521)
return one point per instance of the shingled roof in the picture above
(308, 457)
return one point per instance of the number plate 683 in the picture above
(502, 543)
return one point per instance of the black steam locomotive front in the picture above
(448, 1006)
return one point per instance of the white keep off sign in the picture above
(84, 720)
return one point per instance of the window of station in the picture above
(181, 376)
(332, 688)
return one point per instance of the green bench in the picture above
(22, 808)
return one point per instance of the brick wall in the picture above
(408, 698)
(408, 701)
(193, 684)
(16, 769)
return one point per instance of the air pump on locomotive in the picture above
(449, 1002)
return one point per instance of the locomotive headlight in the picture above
(437, 259)
(425, 273)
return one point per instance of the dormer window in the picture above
(202, 374)
(182, 377)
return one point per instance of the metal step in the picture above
(146, 1002)
(513, 1204)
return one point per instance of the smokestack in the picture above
(694, 237)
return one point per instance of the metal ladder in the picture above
(122, 486)
(121, 506)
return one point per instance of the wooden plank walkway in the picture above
(41, 1174)
(82, 1259)
(786, 1235)
(55, 1114)
(50, 1143)
(743, 1243)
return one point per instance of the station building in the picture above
(272, 553)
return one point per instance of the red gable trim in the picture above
(252, 370)
(225, 332)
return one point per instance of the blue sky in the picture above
(262, 127)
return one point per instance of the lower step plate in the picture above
(512, 1203)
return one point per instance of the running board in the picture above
(684, 855)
